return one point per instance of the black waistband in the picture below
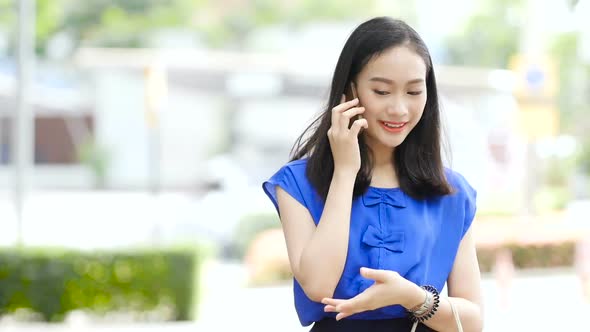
(365, 325)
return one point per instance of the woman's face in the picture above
(392, 88)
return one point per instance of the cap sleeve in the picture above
(470, 205)
(289, 179)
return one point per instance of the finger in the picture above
(344, 106)
(357, 125)
(353, 305)
(333, 302)
(358, 303)
(346, 116)
(343, 315)
(342, 99)
(373, 274)
(334, 127)
(337, 111)
(329, 308)
(353, 111)
(335, 120)
(377, 275)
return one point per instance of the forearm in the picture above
(323, 258)
(469, 313)
(443, 320)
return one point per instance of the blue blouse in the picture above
(388, 230)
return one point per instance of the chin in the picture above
(393, 142)
(394, 145)
(388, 142)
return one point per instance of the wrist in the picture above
(414, 296)
(344, 175)
(426, 310)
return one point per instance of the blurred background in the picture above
(135, 135)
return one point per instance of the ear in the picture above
(355, 95)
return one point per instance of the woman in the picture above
(374, 224)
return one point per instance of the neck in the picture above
(384, 174)
(382, 156)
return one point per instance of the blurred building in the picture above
(220, 122)
(231, 118)
(63, 118)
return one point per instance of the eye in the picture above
(381, 93)
(414, 93)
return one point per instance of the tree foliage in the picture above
(490, 37)
(130, 23)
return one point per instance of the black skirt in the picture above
(363, 325)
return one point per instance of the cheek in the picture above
(417, 109)
(372, 107)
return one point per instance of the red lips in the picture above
(393, 127)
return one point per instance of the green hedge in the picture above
(54, 282)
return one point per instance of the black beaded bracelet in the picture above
(429, 313)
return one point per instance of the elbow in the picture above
(315, 287)
(471, 325)
(318, 295)
(476, 326)
(317, 291)
(479, 325)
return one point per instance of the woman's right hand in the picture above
(344, 140)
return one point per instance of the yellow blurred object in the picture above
(536, 88)
(538, 121)
(536, 78)
(151, 118)
(156, 92)
(267, 259)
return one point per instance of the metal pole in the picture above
(23, 121)
(532, 47)
(156, 92)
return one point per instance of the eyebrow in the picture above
(388, 81)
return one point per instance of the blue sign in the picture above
(535, 77)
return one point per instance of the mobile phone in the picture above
(351, 93)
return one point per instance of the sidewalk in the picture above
(544, 300)
(539, 301)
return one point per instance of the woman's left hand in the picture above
(389, 289)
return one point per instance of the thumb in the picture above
(377, 275)
(357, 125)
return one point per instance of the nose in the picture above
(397, 107)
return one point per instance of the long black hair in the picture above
(418, 162)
